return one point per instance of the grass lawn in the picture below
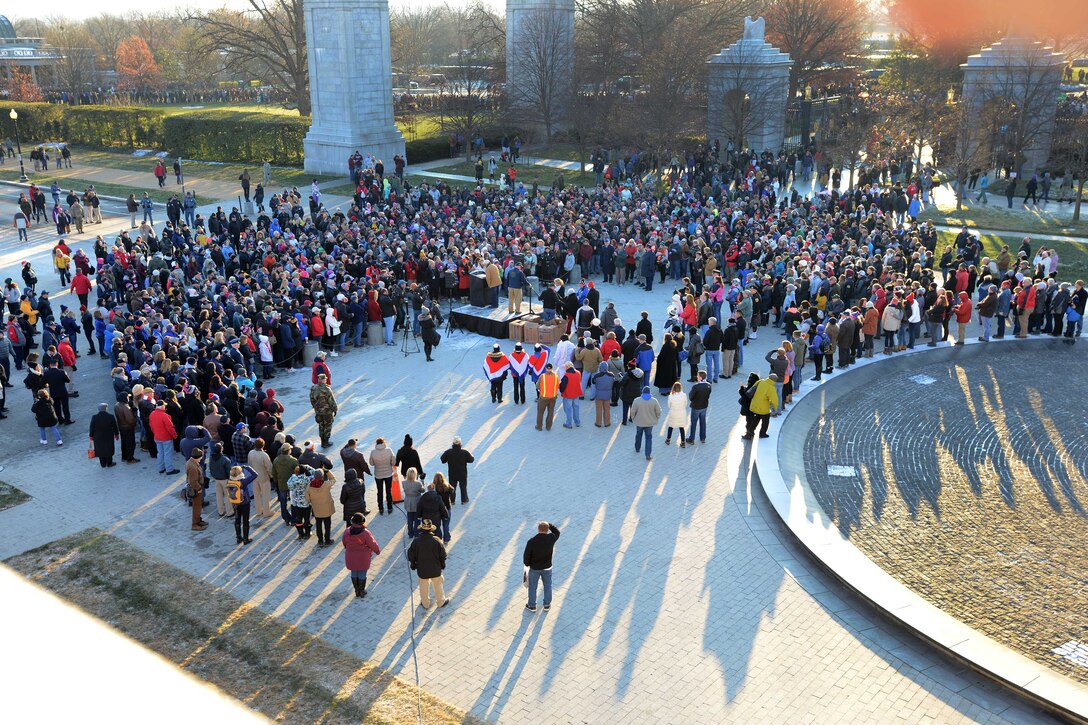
(11, 496)
(528, 173)
(103, 188)
(281, 175)
(272, 666)
(176, 109)
(1073, 255)
(996, 216)
(426, 126)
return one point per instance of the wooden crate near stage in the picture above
(532, 333)
(549, 334)
(517, 330)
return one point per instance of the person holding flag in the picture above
(538, 361)
(519, 366)
(496, 367)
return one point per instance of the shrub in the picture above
(237, 136)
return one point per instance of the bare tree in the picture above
(413, 33)
(267, 38)
(661, 47)
(853, 136)
(465, 104)
(541, 67)
(77, 71)
(817, 34)
(959, 154)
(1070, 153)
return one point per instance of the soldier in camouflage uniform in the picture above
(324, 404)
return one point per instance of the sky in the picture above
(83, 9)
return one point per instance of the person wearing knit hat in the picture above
(496, 368)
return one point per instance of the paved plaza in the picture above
(679, 595)
(966, 481)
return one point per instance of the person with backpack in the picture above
(240, 495)
(360, 547)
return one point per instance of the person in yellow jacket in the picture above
(763, 397)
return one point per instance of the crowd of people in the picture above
(197, 319)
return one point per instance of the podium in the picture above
(478, 292)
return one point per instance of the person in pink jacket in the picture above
(359, 547)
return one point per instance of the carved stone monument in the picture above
(351, 84)
(747, 92)
(1020, 72)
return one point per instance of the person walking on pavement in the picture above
(457, 459)
(537, 560)
(359, 549)
(323, 401)
(148, 207)
(104, 433)
(699, 400)
(427, 557)
(763, 398)
(412, 488)
(645, 412)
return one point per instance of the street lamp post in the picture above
(14, 115)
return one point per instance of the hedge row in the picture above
(214, 135)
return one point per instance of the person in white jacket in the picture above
(678, 414)
(332, 330)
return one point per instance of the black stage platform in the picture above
(488, 321)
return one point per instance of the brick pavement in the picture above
(970, 488)
(679, 596)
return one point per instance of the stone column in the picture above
(547, 28)
(1017, 70)
(351, 84)
(754, 70)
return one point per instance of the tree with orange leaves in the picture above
(136, 67)
(20, 86)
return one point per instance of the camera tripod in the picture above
(451, 324)
(408, 340)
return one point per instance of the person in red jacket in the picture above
(320, 367)
(570, 388)
(162, 429)
(359, 548)
(962, 311)
(81, 285)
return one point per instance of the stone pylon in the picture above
(747, 92)
(1022, 72)
(351, 84)
(540, 35)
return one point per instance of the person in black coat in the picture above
(408, 457)
(104, 432)
(45, 415)
(353, 495)
(645, 327)
(57, 381)
(457, 459)
(432, 508)
(668, 365)
(427, 557)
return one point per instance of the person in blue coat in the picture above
(601, 383)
